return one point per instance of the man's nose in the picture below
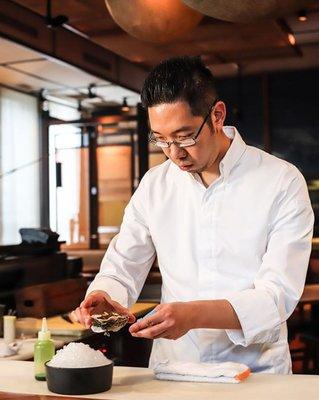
(176, 151)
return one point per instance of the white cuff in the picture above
(258, 315)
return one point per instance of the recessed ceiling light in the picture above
(125, 106)
(292, 39)
(302, 15)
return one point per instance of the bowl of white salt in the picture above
(78, 369)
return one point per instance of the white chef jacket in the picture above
(246, 238)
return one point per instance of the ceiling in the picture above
(29, 71)
(257, 47)
(226, 48)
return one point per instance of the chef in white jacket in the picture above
(231, 226)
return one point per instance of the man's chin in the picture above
(189, 167)
(196, 170)
(192, 169)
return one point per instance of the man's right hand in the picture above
(97, 302)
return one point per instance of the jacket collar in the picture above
(234, 153)
(232, 157)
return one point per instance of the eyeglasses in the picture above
(190, 141)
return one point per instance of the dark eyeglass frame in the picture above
(166, 144)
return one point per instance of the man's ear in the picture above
(219, 114)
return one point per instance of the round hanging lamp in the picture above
(246, 10)
(154, 21)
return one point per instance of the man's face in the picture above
(175, 121)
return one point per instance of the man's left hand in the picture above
(170, 321)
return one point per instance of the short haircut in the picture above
(180, 79)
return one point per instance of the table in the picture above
(139, 384)
(27, 349)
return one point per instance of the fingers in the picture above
(90, 301)
(82, 316)
(95, 298)
(152, 332)
(122, 310)
(166, 322)
(145, 323)
(73, 316)
(131, 318)
(96, 303)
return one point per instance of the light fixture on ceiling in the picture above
(302, 15)
(92, 98)
(44, 104)
(292, 39)
(91, 94)
(80, 108)
(246, 10)
(54, 22)
(125, 107)
(154, 21)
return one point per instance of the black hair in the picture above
(180, 78)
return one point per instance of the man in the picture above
(230, 224)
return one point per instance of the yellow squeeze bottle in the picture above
(44, 350)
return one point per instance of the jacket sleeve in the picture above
(130, 254)
(279, 283)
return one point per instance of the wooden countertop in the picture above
(27, 349)
(139, 384)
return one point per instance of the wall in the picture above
(290, 100)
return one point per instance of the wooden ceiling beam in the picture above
(237, 57)
(286, 30)
(23, 26)
(116, 31)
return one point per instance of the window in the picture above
(19, 165)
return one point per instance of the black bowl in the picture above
(79, 380)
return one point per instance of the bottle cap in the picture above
(44, 334)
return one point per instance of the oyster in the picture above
(108, 322)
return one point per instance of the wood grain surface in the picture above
(16, 396)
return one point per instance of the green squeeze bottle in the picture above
(44, 350)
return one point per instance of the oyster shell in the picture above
(108, 322)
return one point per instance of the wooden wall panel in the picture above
(114, 180)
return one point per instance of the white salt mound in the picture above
(78, 355)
